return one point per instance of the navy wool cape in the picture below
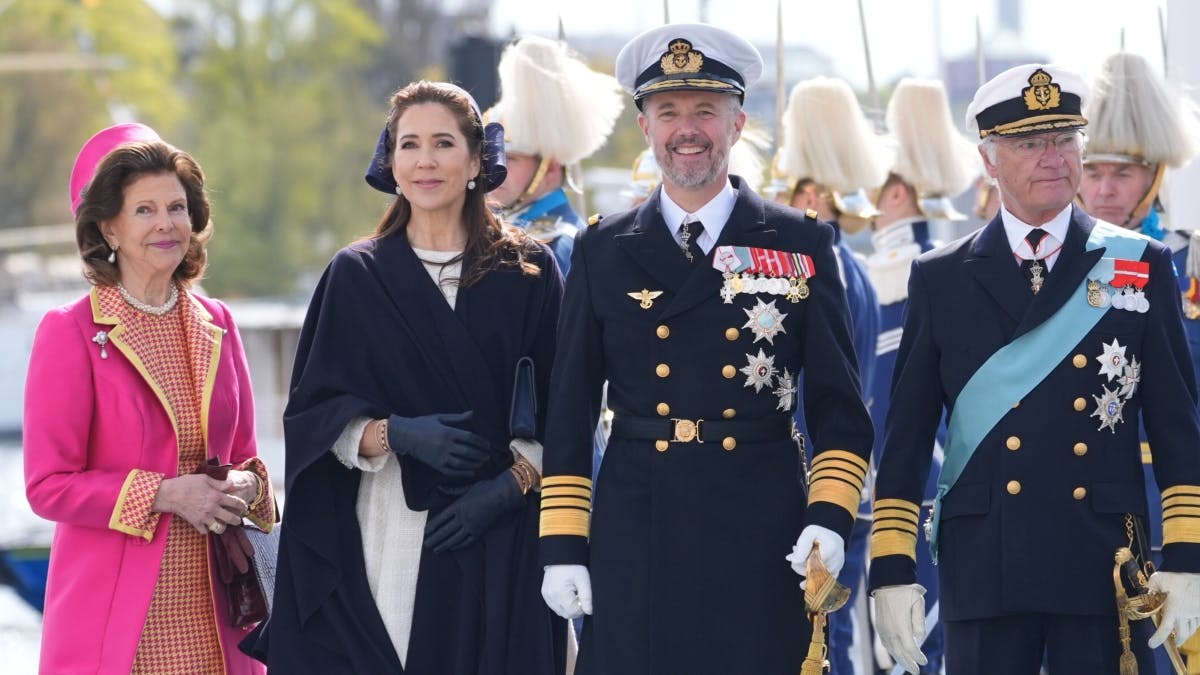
(380, 339)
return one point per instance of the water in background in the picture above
(20, 624)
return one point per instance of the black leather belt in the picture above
(677, 430)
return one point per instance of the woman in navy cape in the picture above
(410, 526)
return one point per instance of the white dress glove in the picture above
(900, 623)
(833, 550)
(1181, 613)
(567, 589)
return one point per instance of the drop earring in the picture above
(471, 184)
(399, 191)
(112, 254)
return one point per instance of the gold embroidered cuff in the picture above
(1181, 514)
(566, 506)
(838, 477)
(894, 528)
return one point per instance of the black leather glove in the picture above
(467, 518)
(435, 441)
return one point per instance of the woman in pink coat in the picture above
(130, 389)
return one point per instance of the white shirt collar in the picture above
(714, 214)
(1016, 229)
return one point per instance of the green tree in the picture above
(67, 70)
(283, 126)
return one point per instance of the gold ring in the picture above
(216, 527)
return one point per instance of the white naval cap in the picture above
(1030, 98)
(683, 56)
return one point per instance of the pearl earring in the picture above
(471, 184)
(112, 254)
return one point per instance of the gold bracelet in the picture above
(381, 430)
(522, 480)
(535, 478)
(260, 494)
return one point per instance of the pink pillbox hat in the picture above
(95, 150)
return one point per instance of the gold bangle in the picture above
(522, 479)
(260, 494)
(535, 479)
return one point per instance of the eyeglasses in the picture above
(1028, 147)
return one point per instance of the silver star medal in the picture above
(786, 391)
(759, 370)
(1130, 376)
(765, 321)
(727, 292)
(1112, 361)
(1108, 409)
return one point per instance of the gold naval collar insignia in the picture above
(681, 58)
(1042, 93)
(645, 297)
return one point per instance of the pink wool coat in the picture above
(89, 422)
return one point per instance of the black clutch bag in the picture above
(522, 415)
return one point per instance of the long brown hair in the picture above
(104, 197)
(490, 243)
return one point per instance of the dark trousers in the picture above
(1021, 644)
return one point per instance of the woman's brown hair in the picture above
(104, 197)
(490, 243)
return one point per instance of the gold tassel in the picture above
(822, 594)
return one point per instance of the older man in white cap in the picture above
(700, 308)
(1043, 336)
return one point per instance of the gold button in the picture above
(663, 409)
(662, 332)
(731, 334)
(1080, 403)
(660, 446)
(728, 443)
(1079, 493)
(729, 372)
(1013, 487)
(1080, 449)
(1013, 443)
(664, 370)
(1079, 361)
(728, 413)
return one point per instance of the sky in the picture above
(1077, 34)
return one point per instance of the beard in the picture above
(692, 176)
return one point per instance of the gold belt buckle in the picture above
(686, 431)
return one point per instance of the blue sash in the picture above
(1015, 369)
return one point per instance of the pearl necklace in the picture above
(156, 310)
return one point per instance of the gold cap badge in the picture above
(681, 58)
(1042, 93)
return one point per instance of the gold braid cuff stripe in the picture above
(564, 521)
(556, 481)
(561, 502)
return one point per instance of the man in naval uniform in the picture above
(556, 112)
(933, 163)
(1043, 336)
(1138, 127)
(828, 156)
(700, 308)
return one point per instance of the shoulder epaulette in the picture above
(594, 219)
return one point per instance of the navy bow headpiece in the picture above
(491, 175)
